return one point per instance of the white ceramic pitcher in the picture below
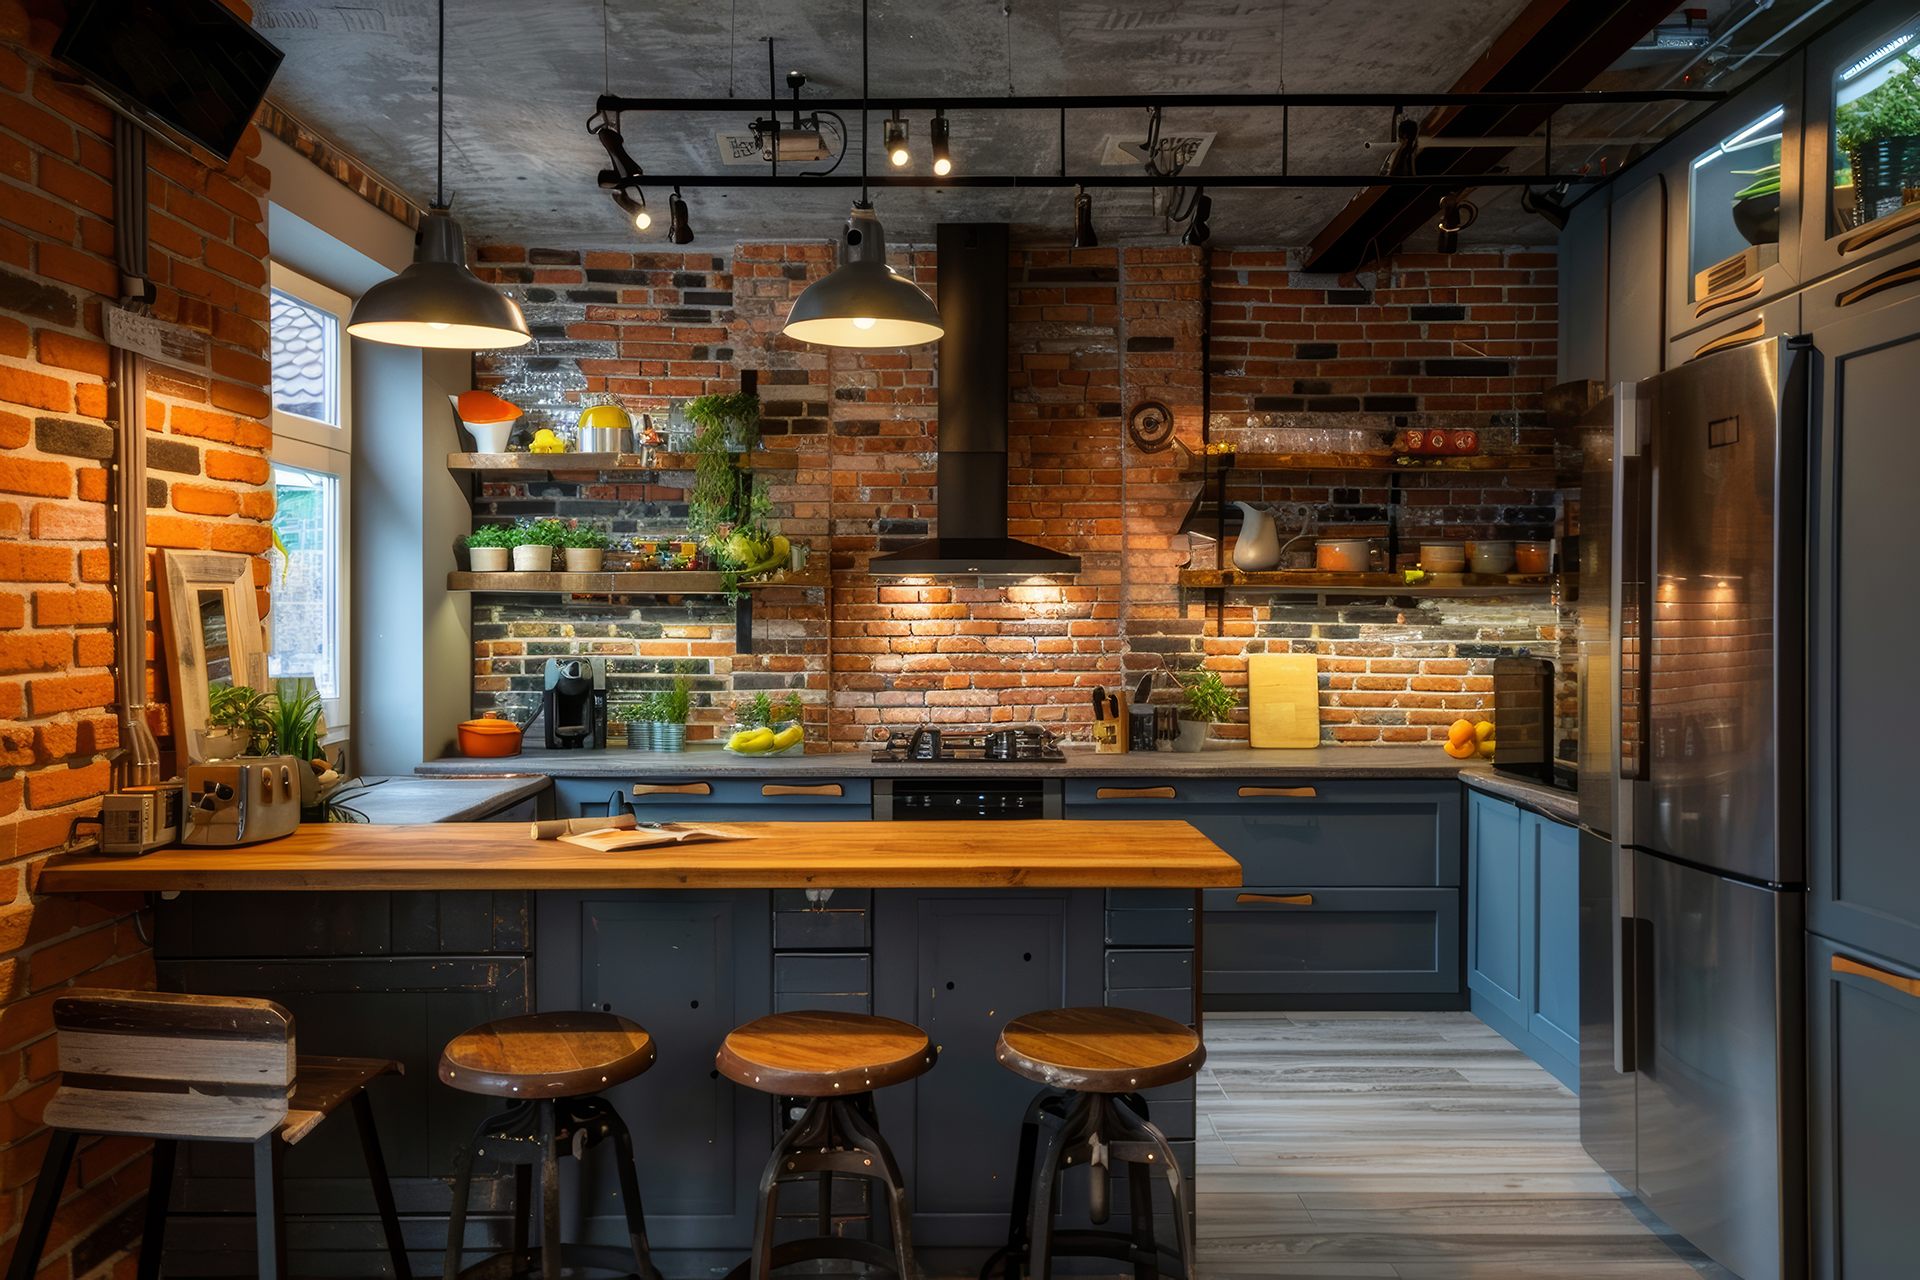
(1258, 546)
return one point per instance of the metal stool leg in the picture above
(1013, 1253)
(1054, 1142)
(1146, 1254)
(630, 1197)
(153, 1239)
(32, 1239)
(269, 1208)
(457, 1219)
(869, 1139)
(550, 1253)
(382, 1187)
(522, 1210)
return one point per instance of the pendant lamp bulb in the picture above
(894, 132)
(942, 156)
(437, 302)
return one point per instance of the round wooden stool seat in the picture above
(547, 1055)
(813, 1053)
(1098, 1050)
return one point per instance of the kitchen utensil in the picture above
(1258, 546)
(1340, 555)
(1283, 700)
(1443, 557)
(1533, 557)
(489, 736)
(1491, 556)
(1111, 731)
(1099, 704)
(605, 427)
(1143, 689)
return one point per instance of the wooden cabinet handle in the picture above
(1885, 280)
(1739, 293)
(1746, 334)
(1303, 792)
(1286, 899)
(672, 788)
(824, 789)
(1881, 227)
(1906, 986)
(1133, 793)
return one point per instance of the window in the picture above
(1734, 195)
(1876, 130)
(312, 456)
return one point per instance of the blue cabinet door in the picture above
(1496, 940)
(1553, 1003)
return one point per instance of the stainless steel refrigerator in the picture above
(1691, 664)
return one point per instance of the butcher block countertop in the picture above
(784, 855)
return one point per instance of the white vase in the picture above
(533, 559)
(1258, 546)
(489, 559)
(1192, 736)
(585, 559)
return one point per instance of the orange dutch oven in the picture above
(490, 736)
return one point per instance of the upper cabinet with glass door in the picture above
(1863, 139)
(1737, 227)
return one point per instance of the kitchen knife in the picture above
(1144, 688)
(1099, 704)
(1113, 706)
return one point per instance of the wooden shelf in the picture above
(548, 463)
(1379, 462)
(674, 582)
(1383, 584)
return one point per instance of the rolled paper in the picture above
(580, 826)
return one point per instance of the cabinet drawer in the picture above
(1343, 941)
(1169, 1002)
(1150, 928)
(842, 922)
(838, 973)
(1170, 968)
(759, 799)
(841, 1002)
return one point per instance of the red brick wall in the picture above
(208, 457)
(1463, 340)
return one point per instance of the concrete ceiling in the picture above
(521, 80)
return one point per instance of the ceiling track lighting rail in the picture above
(1173, 101)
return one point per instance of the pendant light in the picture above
(437, 301)
(864, 302)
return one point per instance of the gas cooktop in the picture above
(1028, 744)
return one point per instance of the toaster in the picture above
(242, 801)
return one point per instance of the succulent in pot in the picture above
(490, 548)
(1204, 698)
(585, 547)
(534, 542)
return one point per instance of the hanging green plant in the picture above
(728, 424)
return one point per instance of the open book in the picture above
(617, 835)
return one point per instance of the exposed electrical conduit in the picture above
(141, 763)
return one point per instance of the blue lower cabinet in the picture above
(822, 980)
(1523, 931)
(1268, 945)
(692, 799)
(1863, 1033)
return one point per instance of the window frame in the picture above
(311, 445)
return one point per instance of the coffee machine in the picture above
(576, 703)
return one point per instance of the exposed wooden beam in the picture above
(1554, 45)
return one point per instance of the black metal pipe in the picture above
(1172, 101)
(973, 379)
(1258, 180)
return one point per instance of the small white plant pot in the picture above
(533, 559)
(489, 559)
(585, 559)
(1192, 736)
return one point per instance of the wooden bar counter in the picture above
(784, 855)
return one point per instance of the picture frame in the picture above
(211, 625)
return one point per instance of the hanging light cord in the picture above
(440, 119)
(864, 199)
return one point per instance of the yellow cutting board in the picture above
(1283, 699)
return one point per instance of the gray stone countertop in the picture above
(403, 800)
(1551, 802)
(1226, 761)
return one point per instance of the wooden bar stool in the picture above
(1102, 1058)
(181, 1068)
(553, 1065)
(836, 1060)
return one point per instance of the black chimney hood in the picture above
(973, 421)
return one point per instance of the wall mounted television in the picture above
(191, 70)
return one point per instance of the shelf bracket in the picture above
(743, 623)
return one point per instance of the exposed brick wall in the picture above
(1467, 340)
(207, 450)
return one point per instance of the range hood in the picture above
(973, 421)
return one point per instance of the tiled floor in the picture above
(1414, 1145)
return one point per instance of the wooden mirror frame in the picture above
(183, 576)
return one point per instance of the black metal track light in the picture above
(1083, 236)
(678, 230)
(942, 158)
(1198, 232)
(1546, 204)
(622, 181)
(893, 133)
(633, 202)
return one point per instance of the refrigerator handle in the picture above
(1629, 441)
(1627, 945)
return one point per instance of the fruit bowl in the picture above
(784, 740)
(794, 750)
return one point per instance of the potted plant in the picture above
(1204, 698)
(490, 548)
(671, 708)
(237, 722)
(1879, 134)
(585, 546)
(296, 719)
(727, 424)
(635, 719)
(1756, 207)
(534, 542)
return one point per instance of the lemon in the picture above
(1486, 748)
(1483, 730)
(605, 415)
(788, 736)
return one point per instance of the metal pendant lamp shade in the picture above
(864, 303)
(437, 302)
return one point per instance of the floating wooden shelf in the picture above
(1380, 462)
(759, 460)
(664, 582)
(1383, 584)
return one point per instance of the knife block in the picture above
(1110, 735)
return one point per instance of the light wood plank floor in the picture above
(1421, 1146)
